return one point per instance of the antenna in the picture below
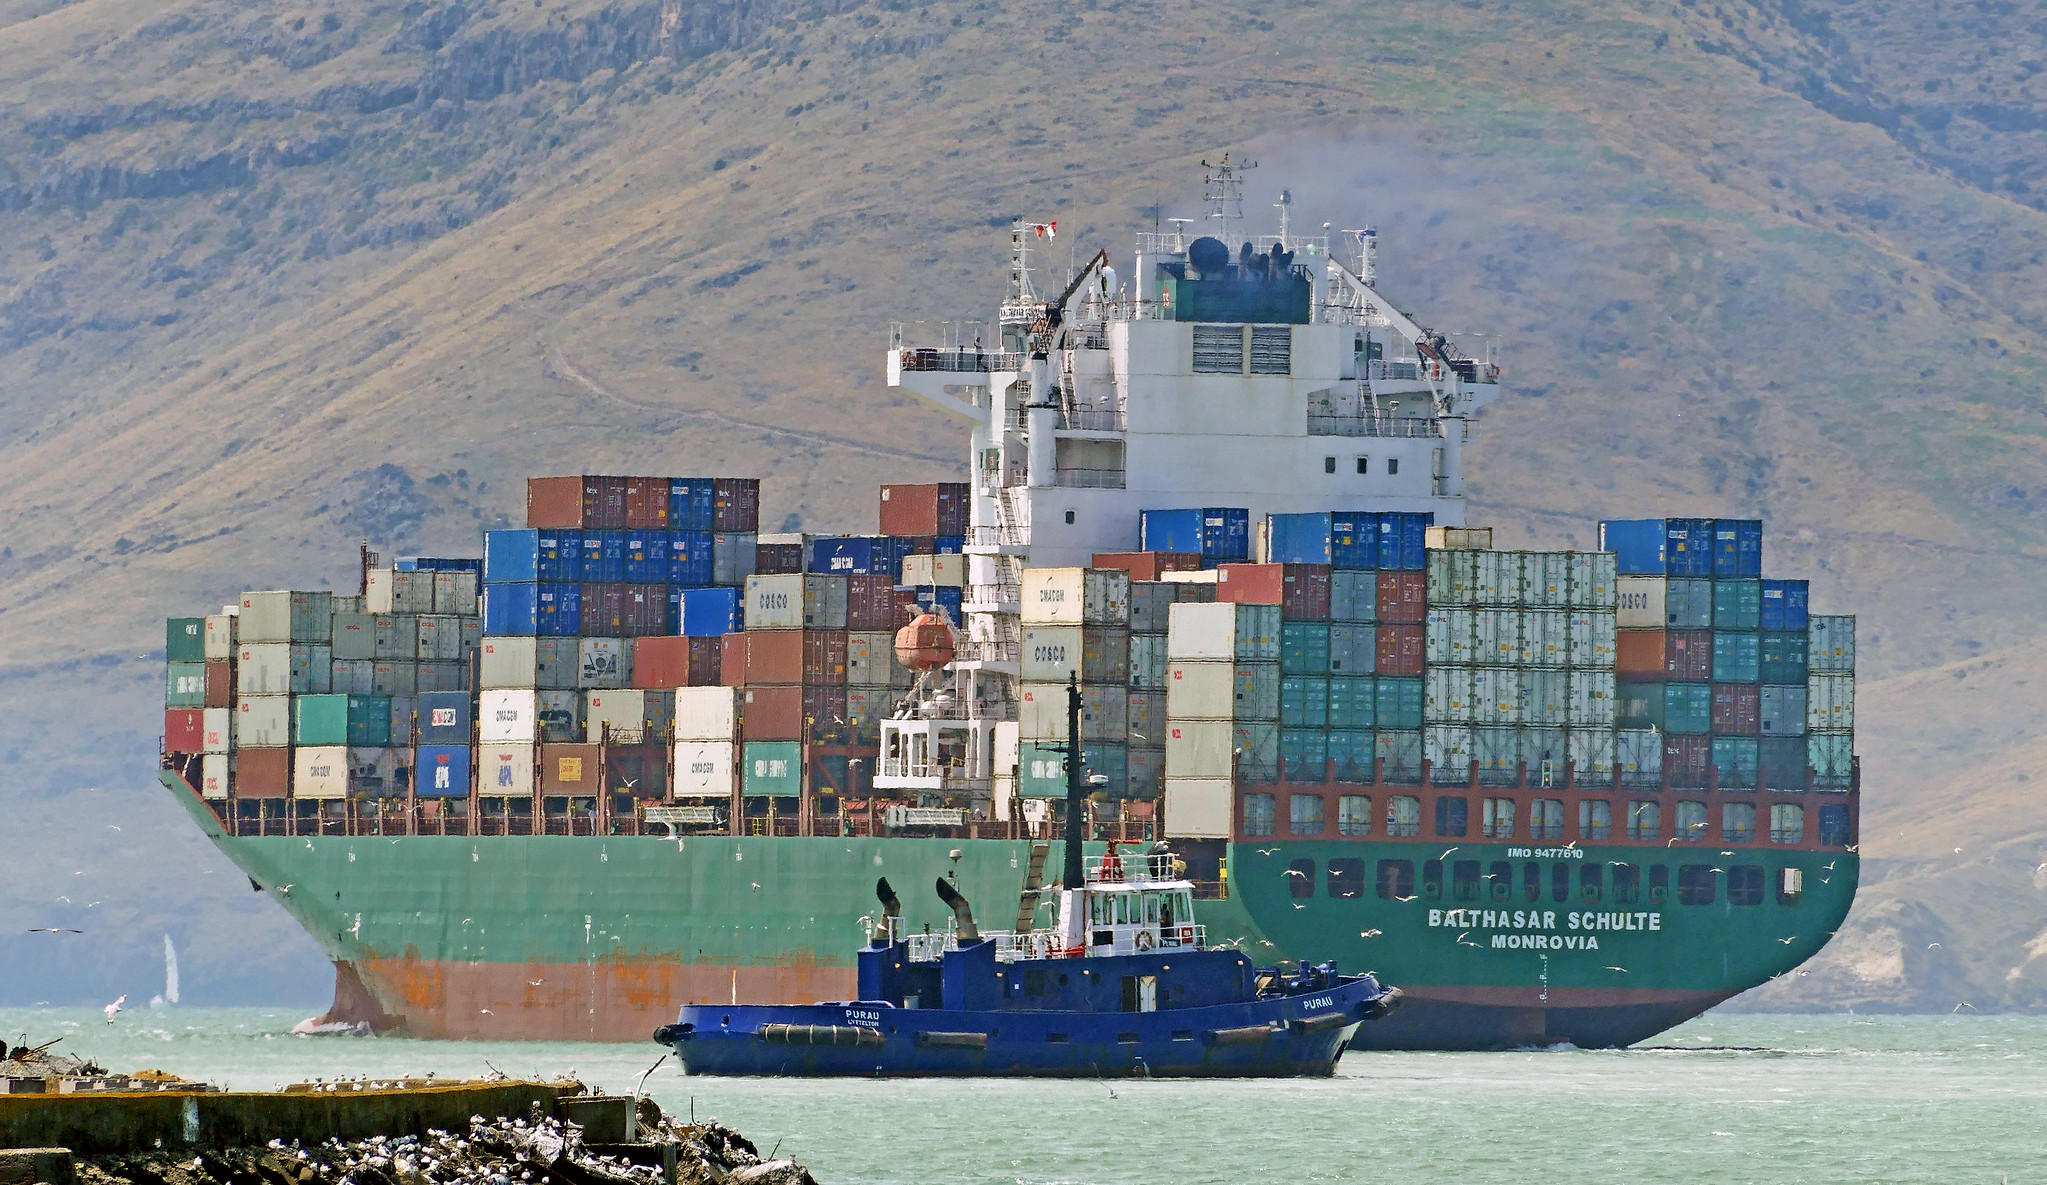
(1226, 195)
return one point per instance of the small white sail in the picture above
(170, 971)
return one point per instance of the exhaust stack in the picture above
(962, 912)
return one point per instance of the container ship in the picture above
(639, 754)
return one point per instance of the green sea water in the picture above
(1738, 1098)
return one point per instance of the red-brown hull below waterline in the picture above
(1520, 1018)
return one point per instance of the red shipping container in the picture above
(1685, 760)
(1688, 655)
(604, 610)
(262, 773)
(1400, 649)
(778, 712)
(645, 610)
(646, 503)
(1300, 590)
(663, 661)
(1146, 565)
(778, 559)
(736, 504)
(220, 684)
(923, 544)
(906, 610)
(871, 602)
(583, 501)
(184, 730)
(815, 657)
(1737, 709)
(639, 770)
(937, 509)
(731, 660)
(1403, 598)
(1639, 654)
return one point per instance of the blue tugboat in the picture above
(1122, 984)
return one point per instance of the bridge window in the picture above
(1453, 816)
(1738, 822)
(1546, 818)
(1364, 465)
(1464, 880)
(1659, 884)
(1627, 884)
(1258, 814)
(1306, 814)
(1787, 824)
(1353, 815)
(1595, 819)
(1392, 466)
(1496, 819)
(1745, 884)
(1560, 882)
(1432, 879)
(1697, 884)
(1645, 820)
(1403, 815)
(1329, 464)
(1833, 826)
(1500, 880)
(1300, 878)
(1531, 881)
(1346, 878)
(1691, 821)
(1396, 880)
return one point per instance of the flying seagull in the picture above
(115, 1007)
(54, 930)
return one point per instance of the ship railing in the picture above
(1031, 944)
(998, 536)
(1384, 426)
(1126, 867)
(999, 593)
(1091, 419)
(897, 816)
(969, 361)
(992, 650)
(1089, 479)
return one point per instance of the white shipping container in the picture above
(945, 571)
(1447, 634)
(871, 658)
(1496, 578)
(1076, 596)
(1008, 747)
(265, 617)
(1830, 647)
(1452, 579)
(1496, 695)
(1468, 538)
(508, 663)
(390, 591)
(1497, 749)
(1201, 691)
(216, 730)
(796, 601)
(1830, 703)
(455, 592)
(220, 637)
(1592, 753)
(1545, 636)
(1544, 751)
(505, 769)
(622, 711)
(440, 638)
(1639, 754)
(1446, 695)
(1223, 630)
(1203, 576)
(703, 769)
(603, 662)
(1448, 750)
(1104, 707)
(1496, 637)
(1199, 748)
(1640, 602)
(1592, 579)
(1097, 653)
(1545, 698)
(706, 713)
(1591, 699)
(319, 771)
(263, 668)
(1545, 579)
(213, 775)
(1198, 808)
(506, 715)
(1592, 639)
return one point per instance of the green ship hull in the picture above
(604, 938)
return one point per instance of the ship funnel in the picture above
(961, 911)
(891, 909)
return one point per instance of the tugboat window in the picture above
(1396, 879)
(1432, 879)
(1500, 878)
(1300, 878)
(1627, 884)
(1697, 884)
(1745, 884)
(1464, 880)
(1346, 878)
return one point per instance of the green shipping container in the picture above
(185, 685)
(1737, 604)
(1735, 758)
(1041, 768)
(1686, 709)
(774, 769)
(1784, 657)
(1306, 753)
(369, 721)
(1737, 657)
(1353, 703)
(1303, 702)
(319, 719)
(1304, 648)
(1399, 705)
(184, 639)
(1783, 762)
(1352, 750)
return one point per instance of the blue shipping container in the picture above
(1636, 543)
(690, 558)
(941, 598)
(559, 613)
(430, 563)
(443, 717)
(442, 771)
(852, 555)
(1218, 534)
(1354, 540)
(560, 557)
(511, 610)
(1404, 542)
(646, 557)
(1298, 538)
(511, 557)
(949, 545)
(1688, 546)
(1787, 604)
(692, 504)
(603, 557)
(1352, 751)
(707, 612)
(1737, 548)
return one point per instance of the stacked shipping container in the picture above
(1076, 623)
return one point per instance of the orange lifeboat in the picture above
(926, 643)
